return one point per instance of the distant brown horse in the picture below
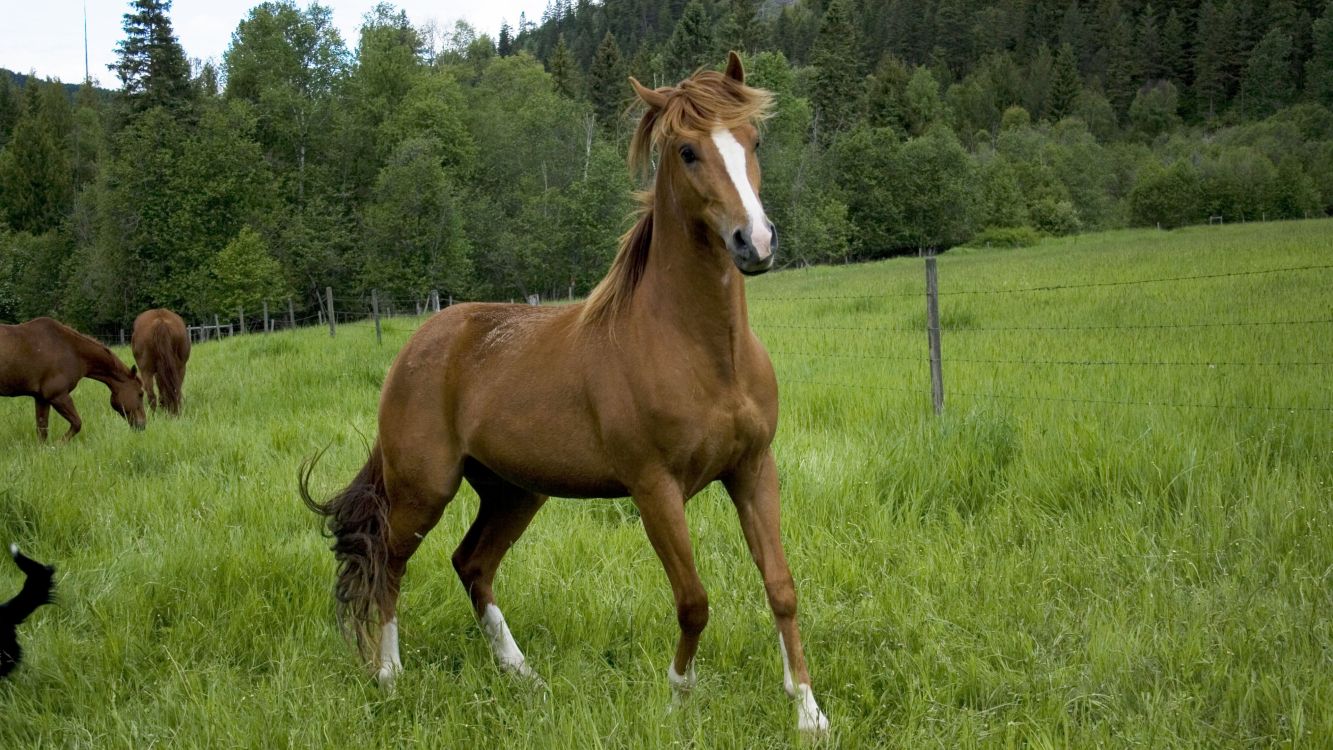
(46, 359)
(161, 345)
(654, 387)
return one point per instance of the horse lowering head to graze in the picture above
(161, 346)
(653, 388)
(45, 359)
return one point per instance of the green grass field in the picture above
(1035, 568)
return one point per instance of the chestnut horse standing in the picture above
(653, 388)
(161, 345)
(46, 359)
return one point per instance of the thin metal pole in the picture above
(375, 312)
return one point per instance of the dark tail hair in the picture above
(358, 520)
(168, 368)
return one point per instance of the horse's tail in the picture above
(358, 520)
(168, 368)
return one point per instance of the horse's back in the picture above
(32, 354)
(159, 323)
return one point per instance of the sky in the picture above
(46, 36)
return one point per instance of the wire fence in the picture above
(992, 357)
(841, 342)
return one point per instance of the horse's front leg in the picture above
(662, 510)
(65, 407)
(754, 490)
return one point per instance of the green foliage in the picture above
(691, 45)
(838, 81)
(922, 101)
(1268, 80)
(1319, 68)
(35, 177)
(1165, 196)
(1155, 109)
(1005, 237)
(150, 62)
(564, 72)
(606, 82)
(1065, 85)
(244, 275)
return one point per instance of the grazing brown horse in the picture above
(653, 388)
(161, 346)
(46, 359)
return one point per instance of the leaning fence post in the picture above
(375, 313)
(332, 326)
(291, 314)
(933, 334)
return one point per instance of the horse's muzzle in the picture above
(749, 259)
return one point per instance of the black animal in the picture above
(36, 591)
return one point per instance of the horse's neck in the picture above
(98, 363)
(690, 286)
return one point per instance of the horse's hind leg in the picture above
(503, 514)
(419, 484)
(43, 416)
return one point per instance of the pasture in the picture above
(1052, 563)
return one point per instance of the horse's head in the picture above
(127, 399)
(705, 134)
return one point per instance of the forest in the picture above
(417, 157)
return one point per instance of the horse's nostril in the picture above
(738, 239)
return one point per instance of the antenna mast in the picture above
(87, 78)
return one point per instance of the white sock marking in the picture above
(390, 662)
(502, 642)
(733, 157)
(681, 682)
(808, 716)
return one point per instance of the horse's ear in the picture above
(735, 70)
(652, 97)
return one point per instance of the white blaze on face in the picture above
(733, 157)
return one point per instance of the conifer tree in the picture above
(606, 81)
(836, 59)
(1175, 63)
(506, 44)
(1319, 68)
(692, 44)
(1149, 39)
(1213, 43)
(564, 71)
(1065, 84)
(35, 175)
(1267, 82)
(150, 62)
(1123, 66)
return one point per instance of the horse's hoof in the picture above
(386, 676)
(809, 719)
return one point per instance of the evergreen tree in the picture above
(1065, 84)
(150, 62)
(691, 45)
(35, 177)
(1175, 62)
(1037, 86)
(505, 48)
(1074, 32)
(606, 82)
(1319, 68)
(886, 99)
(953, 34)
(564, 71)
(1123, 65)
(1155, 109)
(11, 105)
(837, 90)
(1267, 82)
(1151, 66)
(1213, 44)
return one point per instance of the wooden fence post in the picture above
(291, 314)
(217, 323)
(375, 313)
(122, 337)
(933, 334)
(267, 328)
(328, 290)
(240, 313)
(435, 299)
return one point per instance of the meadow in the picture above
(1116, 535)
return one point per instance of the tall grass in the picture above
(1034, 569)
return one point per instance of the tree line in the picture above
(426, 158)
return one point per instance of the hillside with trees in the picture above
(415, 157)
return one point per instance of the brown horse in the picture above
(161, 346)
(653, 388)
(46, 359)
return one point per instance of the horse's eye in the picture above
(687, 155)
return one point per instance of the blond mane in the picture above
(693, 109)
